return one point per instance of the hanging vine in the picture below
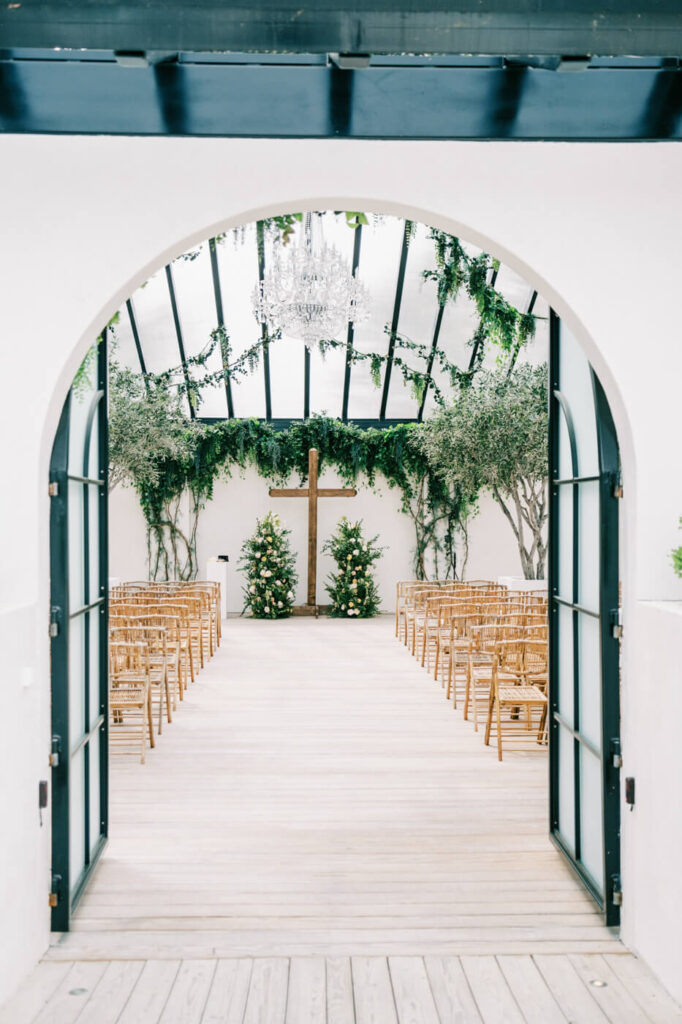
(174, 481)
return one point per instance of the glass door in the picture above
(584, 623)
(78, 585)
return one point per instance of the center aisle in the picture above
(316, 795)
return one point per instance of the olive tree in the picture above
(493, 437)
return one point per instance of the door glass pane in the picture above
(95, 828)
(94, 618)
(591, 816)
(93, 455)
(93, 543)
(566, 542)
(76, 679)
(75, 515)
(81, 401)
(588, 589)
(566, 468)
(590, 679)
(566, 787)
(565, 663)
(76, 818)
(575, 383)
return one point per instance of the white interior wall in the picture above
(230, 517)
(594, 227)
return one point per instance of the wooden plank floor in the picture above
(317, 795)
(319, 839)
(479, 989)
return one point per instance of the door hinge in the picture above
(53, 489)
(617, 485)
(616, 625)
(55, 751)
(616, 891)
(616, 755)
(55, 889)
(54, 630)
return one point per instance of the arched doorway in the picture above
(564, 771)
(584, 623)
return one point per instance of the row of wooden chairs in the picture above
(160, 637)
(488, 646)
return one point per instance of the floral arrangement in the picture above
(352, 588)
(269, 565)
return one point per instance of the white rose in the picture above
(290, 595)
(253, 590)
(351, 612)
(267, 572)
(279, 604)
(266, 609)
(356, 552)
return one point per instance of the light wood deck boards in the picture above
(319, 839)
(316, 794)
(344, 990)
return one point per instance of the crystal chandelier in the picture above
(309, 291)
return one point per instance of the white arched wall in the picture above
(594, 227)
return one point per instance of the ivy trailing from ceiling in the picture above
(499, 322)
(174, 471)
(178, 480)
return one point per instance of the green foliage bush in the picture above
(269, 566)
(677, 558)
(352, 588)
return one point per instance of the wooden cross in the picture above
(312, 492)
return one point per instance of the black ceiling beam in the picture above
(350, 336)
(136, 336)
(477, 98)
(404, 249)
(260, 246)
(532, 299)
(572, 27)
(432, 356)
(178, 334)
(218, 293)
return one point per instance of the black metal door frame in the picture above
(609, 897)
(65, 891)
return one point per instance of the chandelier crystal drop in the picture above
(309, 291)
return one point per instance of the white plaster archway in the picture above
(594, 227)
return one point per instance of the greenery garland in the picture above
(352, 588)
(439, 509)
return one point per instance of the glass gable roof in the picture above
(197, 293)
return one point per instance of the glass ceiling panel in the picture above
(195, 297)
(155, 326)
(123, 349)
(380, 254)
(238, 264)
(417, 320)
(379, 263)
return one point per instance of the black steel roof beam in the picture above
(432, 356)
(396, 316)
(420, 26)
(100, 97)
(260, 245)
(532, 299)
(178, 333)
(218, 293)
(136, 336)
(350, 336)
